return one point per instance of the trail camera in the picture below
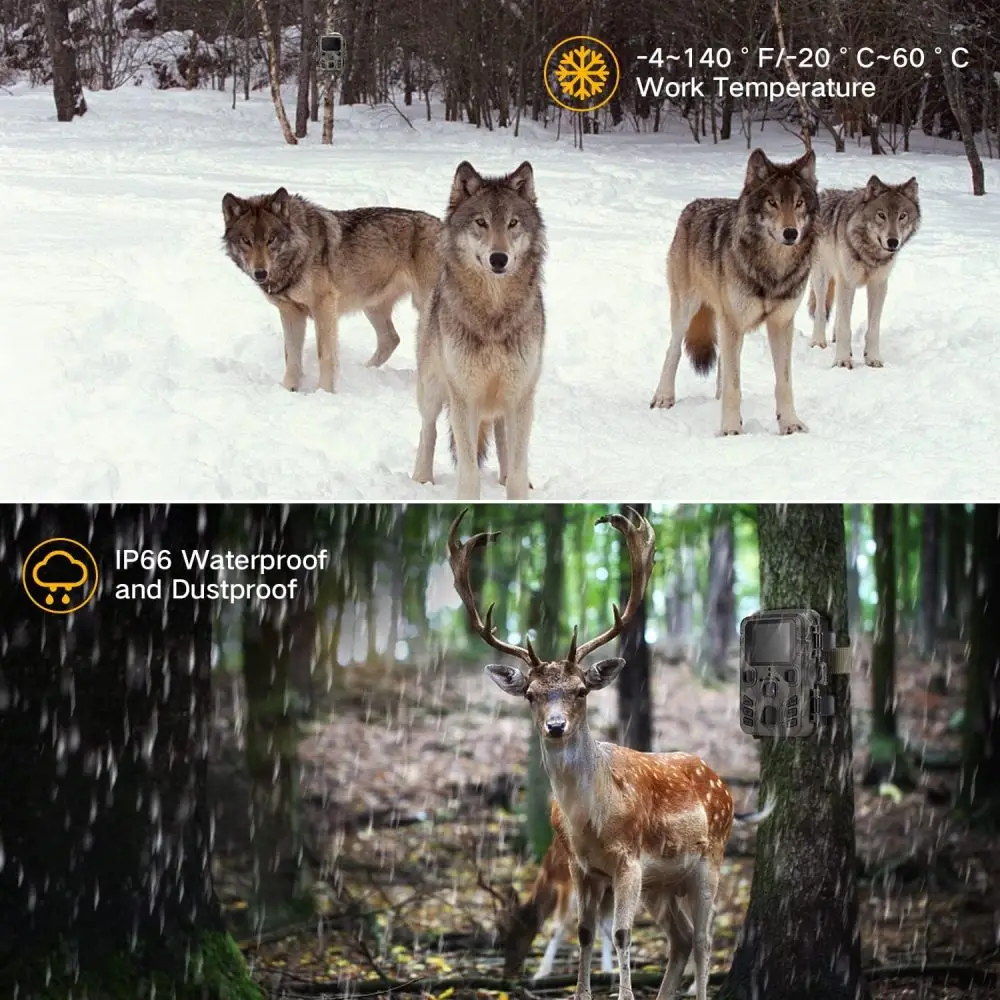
(786, 660)
(331, 52)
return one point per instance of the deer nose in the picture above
(555, 726)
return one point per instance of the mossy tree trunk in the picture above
(550, 634)
(904, 597)
(635, 715)
(279, 657)
(886, 760)
(104, 820)
(800, 938)
(979, 790)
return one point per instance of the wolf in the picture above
(479, 341)
(735, 263)
(314, 262)
(862, 233)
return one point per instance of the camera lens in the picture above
(770, 689)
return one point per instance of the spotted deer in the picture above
(552, 895)
(652, 827)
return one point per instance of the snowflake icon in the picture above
(582, 73)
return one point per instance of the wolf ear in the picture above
(759, 167)
(522, 181)
(909, 189)
(232, 207)
(510, 680)
(873, 188)
(279, 203)
(805, 166)
(603, 673)
(466, 183)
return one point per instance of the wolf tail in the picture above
(756, 817)
(699, 340)
(482, 443)
(829, 298)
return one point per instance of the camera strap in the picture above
(841, 658)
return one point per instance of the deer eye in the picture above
(482, 223)
(529, 697)
(580, 692)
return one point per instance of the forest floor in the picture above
(412, 784)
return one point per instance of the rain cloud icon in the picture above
(59, 571)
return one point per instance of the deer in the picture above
(651, 827)
(551, 894)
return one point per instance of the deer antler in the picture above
(458, 556)
(641, 541)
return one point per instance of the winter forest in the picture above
(407, 52)
(324, 795)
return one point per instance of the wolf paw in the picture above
(662, 401)
(731, 430)
(873, 362)
(818, 342)
(843, 363)
(291, 383)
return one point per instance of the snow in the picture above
(140, 365)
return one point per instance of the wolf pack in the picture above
(475, 278)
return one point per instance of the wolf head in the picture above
(493, 223)
(260, 237)
(782, 197)
(890, 213)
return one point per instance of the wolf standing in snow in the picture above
(479, 342)
(863, 232)
(734, 264)
(314, 262)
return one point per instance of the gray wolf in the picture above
(313, 262)
(552, 895)
(862, 233)
(735, 263)
(479, 341)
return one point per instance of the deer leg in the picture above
(627, 886)
(552, 948)
(702, 896)
(680, 936)
(589, 892)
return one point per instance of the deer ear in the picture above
(604, 672)
(510, 680)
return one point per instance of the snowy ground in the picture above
(139, 364)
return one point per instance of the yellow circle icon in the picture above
(60, 575)
(581, 73)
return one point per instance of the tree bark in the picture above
(635, 713)
(800, 937)
(905, 596)
(307, 56)
(720, 605)
(105, 827)
(886, 761)
(854, 618)
(930, 578)
(279, 654)
(274, 73)
(979, 788)
(66, 86)
(954, 611)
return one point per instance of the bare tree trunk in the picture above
(307, 54)
(955, 89)
(274, 73)
(792, 78)
(720, 603)
(635, 714)
(930, 578)
(66, 87)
